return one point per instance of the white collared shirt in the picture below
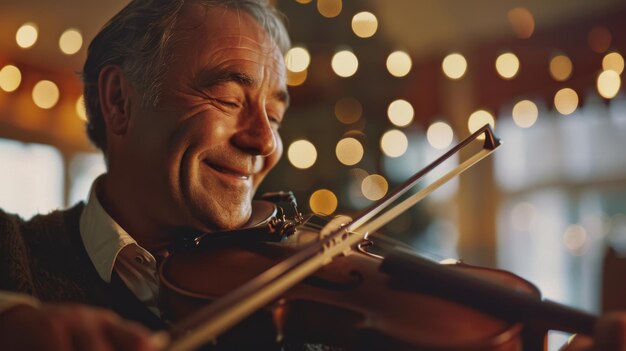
(110, 247)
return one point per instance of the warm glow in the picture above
(297, 59)
(439, 135)
(560, 68)
(349, 151)
(374, 187)
(348, 110)
(507, 65)
(478, 119)
(45, 94)
(364, 24)
(329, 8)
(394, 143)
(323, 202)
(296, 78)
(613, 62)
(566, 101)
(525, 113)
(345, 63)
(454, 66)
(302, 154)
(599, 39)
(400, 113)
(10, 78)
(303, 1)
(608, 84)
(399, 63)
(522, 22)
(80, 108)
(575, 238)
(26, 36)
(70, 41)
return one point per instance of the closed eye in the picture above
(230, 104)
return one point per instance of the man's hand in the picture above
(610, 335)
(69, 327)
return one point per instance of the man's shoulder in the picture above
(40, 224)
(9, 222)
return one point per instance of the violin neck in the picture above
(507, 303)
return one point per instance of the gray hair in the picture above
(138, 39)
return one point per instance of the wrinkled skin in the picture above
(192, 162)
(195, 160)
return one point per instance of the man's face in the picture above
(199, 156)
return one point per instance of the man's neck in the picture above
(118, 203)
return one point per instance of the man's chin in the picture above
(226, 216)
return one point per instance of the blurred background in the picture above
(379, 89)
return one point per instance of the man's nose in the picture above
(255, 135)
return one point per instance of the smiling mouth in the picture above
(229, 172)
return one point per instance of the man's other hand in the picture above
(69, 327)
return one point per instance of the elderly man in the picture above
(185, 99)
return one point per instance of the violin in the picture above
(280, 285)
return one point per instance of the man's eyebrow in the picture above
(215, 77)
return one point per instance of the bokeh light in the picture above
(394, 143)
(374, 187)
(345, 63)
(454, 66)
(478, 119)
(560, 68)
(329, 8)
(522, 22)
(614, 62)
(302, 154)
(364, 24)
(70, 41)
(10, 78)
(400, 112)
(296, 78)
(399, 63)
(507, 65)
(80, 108)
(575, 239)
(439, 135)
(523, 216)
(349, 151)
(323, 202)
(348, 110)
(566, 101)
(45, 94)
(297, 59)
(608, 84)
(525, 113)
(599, 39)
(303, 1)
(26, 35)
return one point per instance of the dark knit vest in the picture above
(45, 257)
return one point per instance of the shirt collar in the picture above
(102, 236)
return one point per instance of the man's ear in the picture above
(115, 98)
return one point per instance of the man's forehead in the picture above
(223, 22)
(217, 40)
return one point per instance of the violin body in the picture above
(349, 303)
